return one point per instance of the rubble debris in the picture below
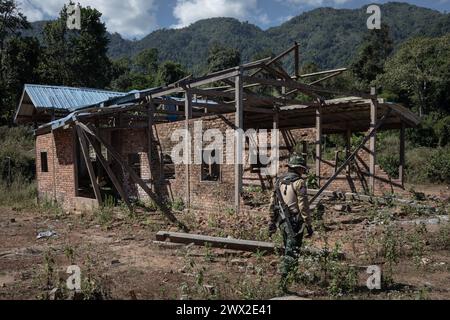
(115, 262)
(371, 199)
(432, 221)
(238, 262)
(343, 208)
(290, 298)
(46, 234)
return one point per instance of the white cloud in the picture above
(314, 3)
(189, 11)
(132, 18)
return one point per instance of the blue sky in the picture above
(137, 18)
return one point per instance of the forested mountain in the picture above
(328, 37)
(408, 60)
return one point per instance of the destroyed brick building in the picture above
(94, 145)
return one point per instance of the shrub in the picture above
(20, 193)
(438, 167)
(390, 163)
(416, 159)
(17, 144)
(442, 129)
(177, 205)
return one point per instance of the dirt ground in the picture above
(120, 260)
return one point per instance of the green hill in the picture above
(328, 37)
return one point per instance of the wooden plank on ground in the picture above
(232, 244)
(225, 243)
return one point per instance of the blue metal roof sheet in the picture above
(66, 97)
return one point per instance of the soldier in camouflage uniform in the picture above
(296, 216)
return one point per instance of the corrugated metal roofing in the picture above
(66, 97)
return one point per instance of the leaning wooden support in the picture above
(280, 56)
(353, 155)
(93, 132)
(90, 168)
(109, 171)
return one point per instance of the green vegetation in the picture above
(17, 167)
(410, 65)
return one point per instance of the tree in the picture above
(11, 21)
(21, 59)
(220, 58)
(17, 57)
(147, 61)
(376, 48)
(77, 57)
(420, 73)
(170, 72)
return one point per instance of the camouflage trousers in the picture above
(292, 246)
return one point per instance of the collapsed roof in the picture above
(261, 89)
(41, 102)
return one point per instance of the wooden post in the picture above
(276, 126)
(402, 155)
(297, 61)
(187, 146)
(239, 145)
(87, 160)
(305, 148)
(336, 160)
(75, 160)
(348, 147)
(150, 111)
(373, 139)
(318, 142)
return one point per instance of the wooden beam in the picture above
(161, 206)
(151, 122)
(402, 155)
(319, 142)
(352, 156)
(277, 72)
(308, 89)
(325, 78)
(373, 139)
(252, 97)
(187, 145)
(108, 169)
(322, 73)
(297, 61)
(278, 57)
(234, 244)
(239, 147)
(276, 126)
(87, 160)
(348, 147)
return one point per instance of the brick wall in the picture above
(204, 195)
(59, 181)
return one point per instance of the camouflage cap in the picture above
(297, 161)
